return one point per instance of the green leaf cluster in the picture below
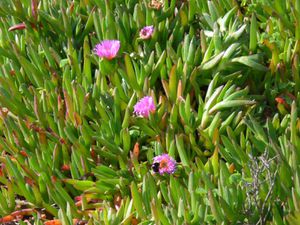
(224, 76)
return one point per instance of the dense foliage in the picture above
(223, 76)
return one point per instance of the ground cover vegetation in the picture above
(149, 112)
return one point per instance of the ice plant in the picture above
(20, 26)
(144, 106)
(107, 49)
(146, 32)
(164, 164)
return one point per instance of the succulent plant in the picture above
(149, 112)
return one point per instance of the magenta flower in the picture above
(144, 107)
(146, 32)
(164, 164)
(107, 49)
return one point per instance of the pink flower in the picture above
(146, 32)
(144, 106)
(107, 49)
(164, 164)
